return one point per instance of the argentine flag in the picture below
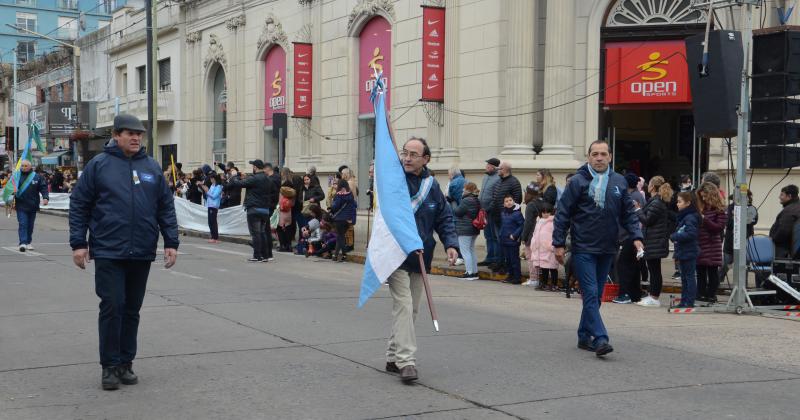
(395, 233)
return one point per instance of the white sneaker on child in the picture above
(649, 301)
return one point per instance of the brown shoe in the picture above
(408, 374)
(391, 367)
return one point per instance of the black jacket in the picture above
(531, 214)
(465, 213)
(28, 201)
(313, 191)
(781, 230)
(433, 214)
(504, 187)
(123, 202)
(232, 197)
(655, 228)
(550, 195)
(261, 192)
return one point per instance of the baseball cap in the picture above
(128, 122)
(493, 162)
(258, 163)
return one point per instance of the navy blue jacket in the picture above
(594, 230)
(347, 214)
(123, 217)
(511, 225)
(687, 246)
(28, 201)
(433, 214)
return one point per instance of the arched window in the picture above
(654, 12)
(220, 107)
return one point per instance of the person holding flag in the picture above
(30, 186)
(410, 207)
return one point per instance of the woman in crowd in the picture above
(344, 215)
(213, 194)
(530, 199)
(456, 187)
(465, 213)
(686, 247)
(656, 228)
(285, 227)
(352, 182)
(713, 220)
(312, 194)
(194, 193)
(547, 186)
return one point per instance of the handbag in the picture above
(307, 207)
(479, 222)
(273, 218)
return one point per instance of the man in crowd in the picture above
(507, 184)
(273, 175)
(123, 200)
(31, 185)
(432, 213)
(490, 179)
(259, 202)
(594, 206)
(782, 230)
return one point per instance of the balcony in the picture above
(67, 33)
(67, 4)
(136, 104)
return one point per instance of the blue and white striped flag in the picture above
(395, 233)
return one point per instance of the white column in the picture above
(559, 122)
(519, 83)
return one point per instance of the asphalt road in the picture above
(221, 338)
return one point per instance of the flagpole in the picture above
(427, 285)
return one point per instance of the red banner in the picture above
(274, 83)
(647, 73)
(303, 75)
(375, 49)
(433, 54)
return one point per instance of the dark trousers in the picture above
(688, 281)
(548, 276)
(592, 271)
(707, 281)
(511, 261)
(285, 234)
(120, 284)
(630, 279)
(258, 224)
(25, 220)
(656, 279)
(341, 231)
(212, 222)
(491, 243)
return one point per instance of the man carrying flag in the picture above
(410, 208)
(30, 186)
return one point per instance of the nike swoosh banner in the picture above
(433, 54)
(303, 79)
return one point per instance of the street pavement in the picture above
(221, 338)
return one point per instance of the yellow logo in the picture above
(276, 84)
(649, 67)
(376, 56)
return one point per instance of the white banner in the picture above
(232, 220)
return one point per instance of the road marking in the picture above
(16, 249)
(224, 251)
(179, 274)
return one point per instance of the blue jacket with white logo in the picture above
(28, 201)
(594, 229)
(123, 202)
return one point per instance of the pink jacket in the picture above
(542, 252)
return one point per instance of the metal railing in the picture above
(136, 104)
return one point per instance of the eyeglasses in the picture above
(413, 155)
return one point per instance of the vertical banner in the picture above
(303, 76)
(375, 50)
(274, 82)
(433, 54)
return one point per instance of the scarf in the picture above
(597, 188)
(422, 194)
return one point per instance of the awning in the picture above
(52, 158)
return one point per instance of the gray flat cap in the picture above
(128, 122)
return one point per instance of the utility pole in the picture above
(151, 82)
(16, 118)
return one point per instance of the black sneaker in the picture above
(483, 263)
(126, 375)
(676, 275)
(586, 345)
(603, 349)
(391, 367)
(22, 248)
(253, 259)
(110, 378)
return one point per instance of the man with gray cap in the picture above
(490, 179)
(123, 200)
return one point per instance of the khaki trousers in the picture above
(406, 289)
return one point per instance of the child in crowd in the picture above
(285, 228)
(687, 247)
(328, 243)
(510, 233)
(314, 238)
(542, 251)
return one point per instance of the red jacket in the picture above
(710, 237)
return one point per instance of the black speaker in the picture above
(774, 156)
(775, 109)
(278, 123)
(716, 95)
(773, 85)
(776, 50)
(775, 133)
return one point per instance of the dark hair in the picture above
(545, 207)
(267, 165)
(341, 168)
(688, 197)
(531, 193)
(316, 211)
(216, 177)
(342, 184)
(426, 151)
(790, 190)
(509, 196)
(589, 150)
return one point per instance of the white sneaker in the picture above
(29, 247)
(649, 301)
(459, 261)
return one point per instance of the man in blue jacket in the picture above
(594, 205)
(123, 200)
(31, 185)
(432, 213)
